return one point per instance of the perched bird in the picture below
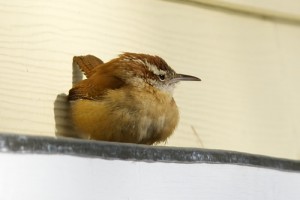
(128, 99)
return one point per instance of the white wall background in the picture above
(67, 177)
(248, 99)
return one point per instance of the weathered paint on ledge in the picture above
(24, 144)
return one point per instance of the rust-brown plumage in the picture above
(128, 99)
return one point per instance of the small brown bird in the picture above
(128, 99)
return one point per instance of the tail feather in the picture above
(87, 63)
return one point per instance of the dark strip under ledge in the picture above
(12, 143)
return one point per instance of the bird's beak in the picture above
(183, 77)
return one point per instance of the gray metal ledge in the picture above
(24, 144)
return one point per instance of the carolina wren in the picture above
(128, 99)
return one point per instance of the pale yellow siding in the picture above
(249, 98)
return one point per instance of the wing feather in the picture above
(98, 81)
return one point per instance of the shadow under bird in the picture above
(128, 99)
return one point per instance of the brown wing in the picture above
(87, 63)
(95, 86)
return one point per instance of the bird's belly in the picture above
(124, 122)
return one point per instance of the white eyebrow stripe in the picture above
(155, 69)
(151, 67)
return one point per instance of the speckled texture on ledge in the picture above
(23, 144)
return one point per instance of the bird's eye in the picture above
(161, 77)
